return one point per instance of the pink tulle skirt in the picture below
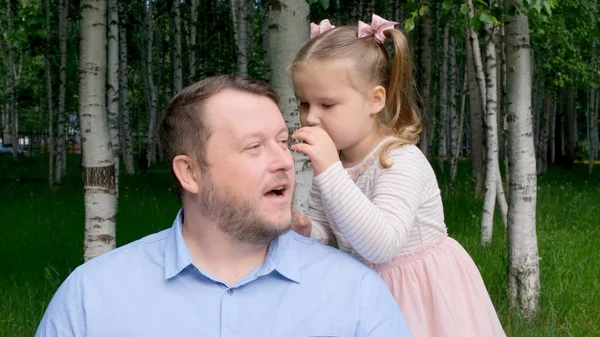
(441, 293)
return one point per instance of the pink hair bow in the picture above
(376, 28)
(320, 29)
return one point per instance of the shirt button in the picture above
(230, 291)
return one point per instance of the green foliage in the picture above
(564, 43)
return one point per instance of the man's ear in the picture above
(187, 172)
(377, 99)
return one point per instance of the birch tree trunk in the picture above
(593, 129)
(61, 160)
(288, 31)
(123, 93)
(98, 167)
(479, 75)
(523, 275)
(443, 120)
(425, 63)
(457, 147)
(49, 99)
(542, 149)
(192, 43)
(112, 93)
(151, 90)
(12, 109)
(177, 76)
(265, 41)
(452, 117)
(476, 123)
(491, 121)
(239, 16)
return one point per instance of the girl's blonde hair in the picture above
(372, 63)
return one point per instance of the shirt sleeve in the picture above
(64, 315)
(377, 229)
(380, 315)
(321, 230)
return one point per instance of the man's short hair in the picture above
(183, 129)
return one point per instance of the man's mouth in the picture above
(279, 191)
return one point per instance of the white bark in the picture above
(177, 75)
(523, 279)
(443, 120)
(61, 159)
(112, 92)
(475, 123)
(98, 167)
(151, 89)
(491, 121)
(239, 16)
(49, 101)
(480, 76)
(123, 92)
(288, 31)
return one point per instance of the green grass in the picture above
(41, 237)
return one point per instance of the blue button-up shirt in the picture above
(151, 287)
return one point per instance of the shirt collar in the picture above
(281, 255)
(177, 254)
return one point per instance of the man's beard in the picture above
(237, 217)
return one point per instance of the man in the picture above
(229, 265)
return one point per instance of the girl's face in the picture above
(329, 100)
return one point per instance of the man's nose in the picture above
(281, 159)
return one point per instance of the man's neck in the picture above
(217, 253)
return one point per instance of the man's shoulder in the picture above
(312, 253)
(135, 253)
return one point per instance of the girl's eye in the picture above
(327, 106)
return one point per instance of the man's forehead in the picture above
(243, 113)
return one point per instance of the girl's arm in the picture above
(321, 230)
(377, 229)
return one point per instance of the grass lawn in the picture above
(41, 238)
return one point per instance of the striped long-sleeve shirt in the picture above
(375, 213)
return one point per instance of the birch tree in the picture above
(151, 89)
(123, 93)
(443, 120)
(49, 99)
(475, 122)
(288, 31)
(239, 17)
(112, 92)
(98, 166)
(452, 114)
(457, 146)
(12, 110)
(425, 63)
(177, 75)
(523, 272)
(192, 42)
(61, 162)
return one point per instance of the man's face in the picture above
(249, 185)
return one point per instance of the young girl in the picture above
(374, 192)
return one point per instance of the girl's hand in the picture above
(318, 146)
(302, 224)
